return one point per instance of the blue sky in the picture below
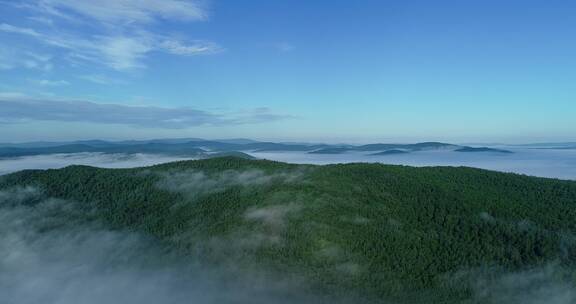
(331, 71)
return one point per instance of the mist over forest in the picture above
(234, 230)
(287, 152)
(551, 162)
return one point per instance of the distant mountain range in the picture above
(202, 147)
(546, 145)
(482, 149)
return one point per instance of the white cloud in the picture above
(100, 79)
(117, 52)
(197, 48)
(129, 11)
(52, 83)
(122, 53)
(13, 59)
(12, 95)
(8, 28)
(43, 20)
(115, 33)
(39, 57)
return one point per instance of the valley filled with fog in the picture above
(101, 160)
(552, 163)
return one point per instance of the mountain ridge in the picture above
(199, 147)
(345, 229)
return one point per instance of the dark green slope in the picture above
(403, 234)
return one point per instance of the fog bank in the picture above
(55, 161)
(553, 163)
(537, 162)
(52, 253)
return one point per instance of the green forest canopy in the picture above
(411, 235)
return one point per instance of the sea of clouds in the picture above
(552, 163)
(102, 160)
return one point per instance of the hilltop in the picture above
(372, 232)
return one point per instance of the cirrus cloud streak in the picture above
(119, 34)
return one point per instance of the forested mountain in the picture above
(370, 232)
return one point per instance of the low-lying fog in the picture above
(538, 162)
(51, 253)
(54, 161)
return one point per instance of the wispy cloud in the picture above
(127, 11)
(11, 59)
(120, 52)
(15, 108)
(8, 28)
(197, 47)
(100, 79)
(40, 19)
(51, 83)
(115, 33)
(12, 95)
